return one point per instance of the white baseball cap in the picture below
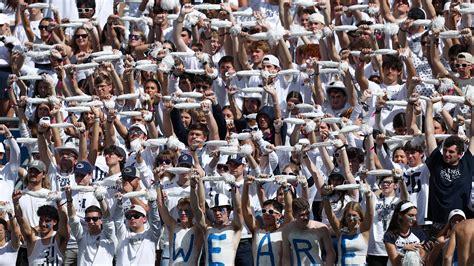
(317, 17)
(137, 208)
(456, 212)
(271, 59)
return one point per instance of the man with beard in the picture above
(302, 238)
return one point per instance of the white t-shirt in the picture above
(29, 205)
(137, 248)
(94, 249)
(383, 210)
(59, 180)
(8, 254)
(417, 180)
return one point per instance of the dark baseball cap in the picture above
(130, 172)
(83, 168)
(185, 160)
(236, 158)
(416, 13)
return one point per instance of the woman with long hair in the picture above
(352, 230)
(82, 45)
(403, 240)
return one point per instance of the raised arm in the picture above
(14, 232)
(63, 227)
(164, 212)
(369, 211)
(197, 196)
(249, 219)
(26, 22)
(429, 128)
(347, 172)
(14, 157)
(237, 221)
(471, 138)
(178, 28)
(333, 221)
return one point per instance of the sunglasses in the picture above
(43, 27)
(462, 65)
(165, 161)
(186, 211)
(135, 132)
(285, 173)
(133, 216)
(95, 219)
(269, 211)
(134, 37)
(83, 36)
(1, 25)
(85, 10)
(387, 182)
(223, 167)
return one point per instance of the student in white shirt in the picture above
(97, 244)
(137, 244)
(9, 249)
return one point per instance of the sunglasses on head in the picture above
(133, 216)
(83, 36)
(269, 211)
(134, 37)
(461, 65)
(165, 161)
(95, 219)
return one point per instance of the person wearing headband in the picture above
(403, 240)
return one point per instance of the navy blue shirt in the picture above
(450, 186)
